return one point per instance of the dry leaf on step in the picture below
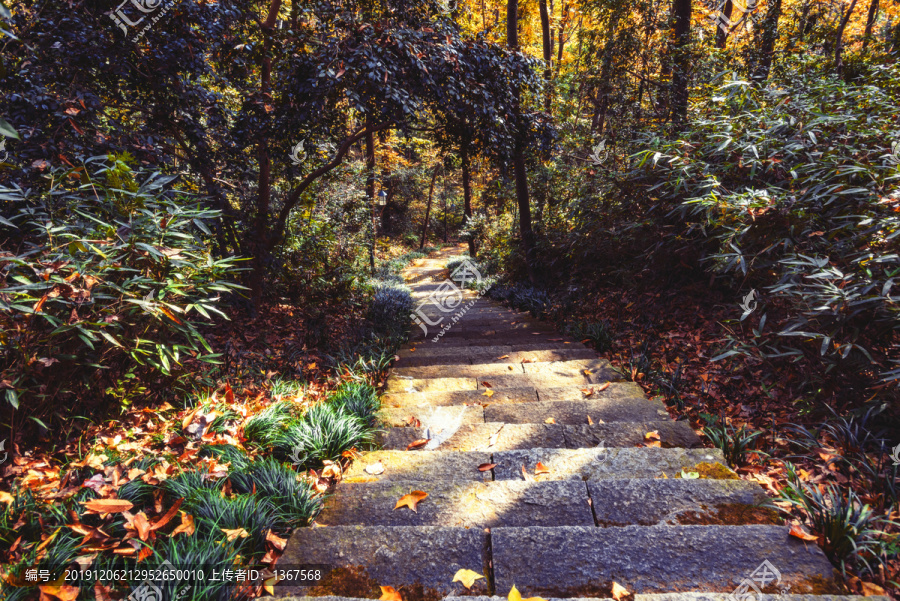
(528, 477)
(486, 466)
(503, 357)
(590, 421)
(411, 500)
(587, 391)
(550, 420)
(389, 593)
(421, 442)
(603, 387)
(466, 577)
(799, 532)
(375, 469)
(619, 592)
(540, 468)
(515, 595)
(652, 435)
(488, 393)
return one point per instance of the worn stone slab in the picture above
(609, 463)
(678, 501)
(459, 397)
(616, 390)
(453, 359)
(567, 367)
(403, 384)
(579, 561)
(629, 434)
(550, 380)
(458, 371)
(577, 412)
(466, 504)
(399, 417)
(363, 558)
(419, 465)
(477, 437)
(535, 339)
(493, 350)
(548, 355)
(756, 597)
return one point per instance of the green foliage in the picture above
(853, 533)
(597, 333)
(524, 297)
(192, 553)
(359, 399)
(213, 513)
(226, 453)
(294, 501)
(186, 484)
(112, 269)
(734, 442)
(322, 434)
(264, 427)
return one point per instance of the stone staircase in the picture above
(540, 473)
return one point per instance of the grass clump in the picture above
(294, 501)
(188, 483)
(322, 434)
(359, 399)
(226, 453)
(264, 427)
(215, 513)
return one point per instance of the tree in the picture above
(767, 45)
(681, 32)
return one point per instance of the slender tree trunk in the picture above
(724, 24)
(370, 186)
(870, 22)
(521, 174)
(681, 63)
(428, 206)
(563, 20)
(839, 40)
(467, 193)
(547, 40)
(767, 47)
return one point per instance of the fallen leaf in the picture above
(619, 592)
(494, 437)
(590, 421)
(107, 505)
(528, 477)
(411, 500)
(63, 593)
(550, 420)
(586, 372)
(276, 541)
(375, 469)
(799, 532)
(186, 526)
(503, 357)
(689, 475)
(540, 468)
(190, 417)
(421, 442)
(652, 435)
(486, 466)
(229, 394)
(466, 577)
(871, 589)
(603, 387)
(7, 498)
(488, 393)
(515, 595)
(587, 391)
(389, 593)
(486, 385)
(142, 525)
(168, 516)
(234, 533)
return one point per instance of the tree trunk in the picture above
(839, 41)
(681, 63)
(370, 186)
(723, 24)
(548, 55)
(870, 22)
(767, 48)
(563, 20)
(428, 206)
(467, 194)
(521, 174)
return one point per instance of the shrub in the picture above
(214, 513)
(322, 434)
(359, 399)
(264, 427)
(294, 501)
(598, 333)
(107, 272)
(188, 483)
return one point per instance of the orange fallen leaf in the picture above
(503, 357)
(488, 393)
(619, 592)
(233, 533)
(603, 387)
(587, 391)
(550, 420)
(229, 394)
(142, 525)
(168, 516)
(107, 505)
(276, 541)
(528, 477)
(799, 532)
(486, 385)
(411, 500)
(421, 442)
(540, 468)
(870, 589)
(586, 372)
(63, 593)
(486, 466)
(389, 593)
(652, 435)
(186, 526)
(190, 417)
(466, 577)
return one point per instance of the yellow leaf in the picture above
(590, 421)
(488, 393)
(375, 469)
(550, 420)
(235, 533)
(186, 526)
(466, 577)
(619, 592)
(503, 357)
(7, 498)
(652, 435)
(411, 500)
(63, 593)
(107, 505)
(389, 593)
(603, 387)
(515, 595)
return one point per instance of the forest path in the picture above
(543, 470)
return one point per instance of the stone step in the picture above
(577, 412)
(417, 337)
(611, 463)
(625, 392)
(437, 350)
(420, 560)
(573, 367)
(679, 501)
(466, 504)
(399, 417)
(473, 356)
(704, 596)
(578, 561)
(453, 435)
(418, 465)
